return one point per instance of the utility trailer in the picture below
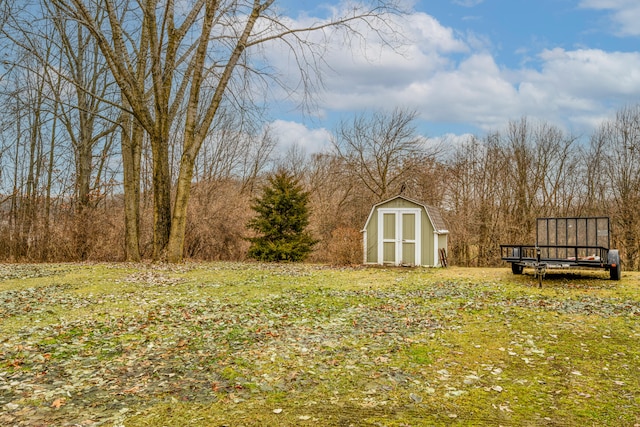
(566, 243)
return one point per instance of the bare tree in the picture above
(621, 139)
(554, 168)
(542, 166)
(131, 143)
(237, 148)
(378, 149)
(193, 56)
(500, 184)
(595, 190)
(333, 191)
(476, 200)
(85, 116)
(73, 89)
(32, 115)
(257, 159)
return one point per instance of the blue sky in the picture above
(470, 66)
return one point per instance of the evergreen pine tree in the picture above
(281, 221)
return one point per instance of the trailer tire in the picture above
(615, 269)
(516, 268)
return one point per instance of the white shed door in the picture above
(399, 231)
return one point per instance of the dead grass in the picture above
(252, 344)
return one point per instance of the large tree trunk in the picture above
(161, 198)
(131, 157)
(199, 121)
(175, 248)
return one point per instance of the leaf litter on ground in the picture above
(236, 333)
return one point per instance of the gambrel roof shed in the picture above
(402, 231)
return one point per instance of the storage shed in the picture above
(401, 231)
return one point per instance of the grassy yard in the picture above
(226, 344)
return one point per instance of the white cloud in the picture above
(467, 3)
(291, 134)
(449, 77)
(378, 77)
(625, 14)
(582, 80)
(580, 85)
(593, 72)
(475, 92)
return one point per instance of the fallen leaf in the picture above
(455, 393)
(471, 379)
(11, 406)
(505, 408)
(134, 389)
(58, 403)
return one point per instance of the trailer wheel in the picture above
(615, 269)
(516, 268)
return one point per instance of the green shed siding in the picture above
(427, 243)
(442, 241)
(427, 239)
(371, 232)
(399, 203)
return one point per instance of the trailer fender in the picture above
(615, 269)
(516, 268)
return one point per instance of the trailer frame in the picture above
(566, 242)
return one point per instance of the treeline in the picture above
(126, 133)
(491, 190)
(499, 185)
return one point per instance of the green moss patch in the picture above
(289, 345)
